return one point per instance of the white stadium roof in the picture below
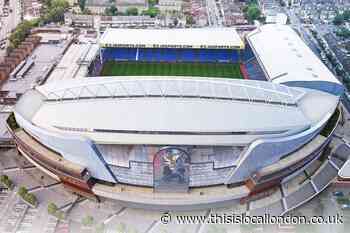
(175, 110)
(172, 38)
(285, 58)
(189, 110)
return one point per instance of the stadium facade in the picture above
(185, 142)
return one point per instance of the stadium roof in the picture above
(345, 170)
(172, 110)
(285, 58)
(172, 38)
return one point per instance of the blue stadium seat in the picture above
(247, 53)
(188, 55)
(119, 54)
(171, 55)
(254, 70)
(145, 55)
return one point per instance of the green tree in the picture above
(5, 180)
(81, 4)
(253, 12)
(87, 11)
(111, 11)
(343, 32)
(31, 198)
(22, 191)
(190, 20)
(338, 19)
(152, 2)
(21, 32)
(346, 15)
(132, 11)
(88, 221)
(52, 208)
(152, 11)
(55, 10)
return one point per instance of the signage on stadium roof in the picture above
(169, 46)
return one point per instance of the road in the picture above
(308, 38)
(304, 33)
(213, 13)
(11, 21)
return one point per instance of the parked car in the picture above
(338, 194)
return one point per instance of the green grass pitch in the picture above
(126, 68)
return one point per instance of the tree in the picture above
(343, 32)
(190, 20)
(81, 4)
(338, 19)
(31, 198)
(22, 191)
(88, 221)
(253, 12)
(132, 11)
(346, 15)
(21, 32)
(5, 180)
(55, 11)
(87, 11)
(52, 208)
(152, 2)
(152, 11)
(111, 11)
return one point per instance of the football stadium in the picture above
(176, 52)
(186, 119)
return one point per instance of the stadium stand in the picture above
(244, 71)
(254, 70)
(247, 53)
(171, 55)
(122, 54)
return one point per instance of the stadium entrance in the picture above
(171, 168)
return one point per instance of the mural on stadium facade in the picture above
(171, 170)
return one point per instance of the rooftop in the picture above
(173, 109)
(194, 37)
(289, 60)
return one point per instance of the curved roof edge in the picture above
(288, 60)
